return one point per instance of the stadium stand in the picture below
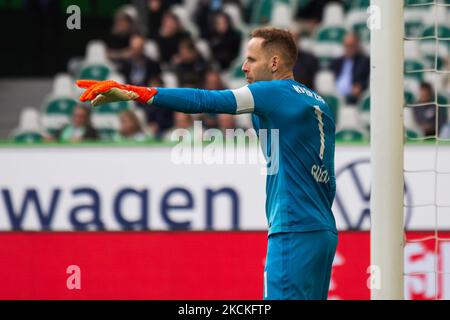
(336, 19)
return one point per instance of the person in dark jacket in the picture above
(352, 70)
(170, 36)
(224, 41)
(306, 68)
(139, 69)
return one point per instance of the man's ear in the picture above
(274, 63)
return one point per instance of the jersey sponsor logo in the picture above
(320, 173)
(308, 92)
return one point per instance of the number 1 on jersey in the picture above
(318, 113)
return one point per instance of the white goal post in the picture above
(387, 136)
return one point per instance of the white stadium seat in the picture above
(325, 82)
(333, 14)
(151, 49)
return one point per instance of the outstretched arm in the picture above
(183, 100)
(198, 100)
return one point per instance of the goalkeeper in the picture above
(302, 235)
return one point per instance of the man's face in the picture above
(257, 64)
(80, 117)
(351, 45)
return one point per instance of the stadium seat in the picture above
(95, 72)
(364, 109)
(436, 80)
(96, 64)
(151, 49)
(358, 4)
(203, 47)
(58, 106)
(356, 21)
(190, 6)
(413, 134)
(185, 18)
(105, 118)
(130, 10)
(411, 50)
(281, 16)
(349, 118)
(328, 44)
(411, 66)
(333, 14)
(29, 129)
(428, 45)
(351, 135)
(170, 79)
(236, 17)
(414, 21)
(335, 103)
(260, 11)
(325, 82)
(418, 2)
(27, 137)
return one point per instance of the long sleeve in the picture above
(198, 100)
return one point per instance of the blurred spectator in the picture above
(170, 36)
(352, 70)
(130, 128)
(310, 14)
(203, 15)
(189, 65)
(224, 40)
(306, 65)
(425, 116)
(226, 121)
(158, 119)
(139, 69)
(184, 121)
(119, 39)
(80, 129)
(155, 13)
(213, 81)
(205, 11)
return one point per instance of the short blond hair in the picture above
(279, 40)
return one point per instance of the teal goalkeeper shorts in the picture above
(298, 265)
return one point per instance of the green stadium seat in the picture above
(56, 112)
(428, 46)
(364, 109)
(443, 111)
(28, 137)
(358, 4)
(409, 97)
(333, 34)
(356, 21)
(260, 11)
(112, 108)
(418, 2)
(105, 118)
(414, 65)
(107, 134)
(328, 44)
(351, 135)
(95, 72)
(413, 134)
(334, 102)
(414, 21)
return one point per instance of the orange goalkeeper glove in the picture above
(101, 92)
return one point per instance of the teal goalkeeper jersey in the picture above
(300, 187)
(300, 131)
